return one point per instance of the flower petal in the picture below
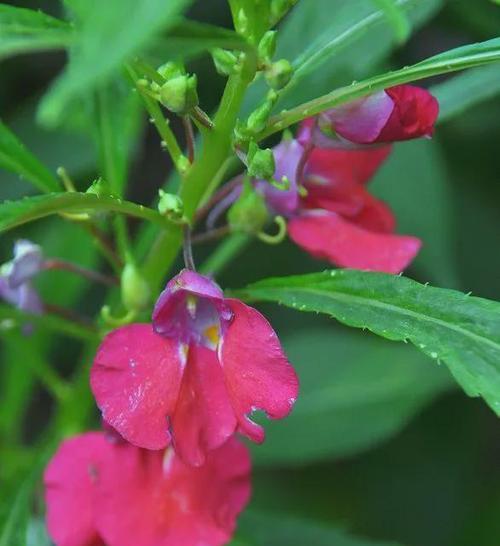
(256, 370)
(135, 379)
(204, 418)
(327, 235)
(69, 490)
(148, 499)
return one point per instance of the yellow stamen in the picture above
(212, 334)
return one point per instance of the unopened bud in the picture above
(170, 205)
(267, 46)
(260, 162)
(279, 74)
(179, 94)
(225, 61)
(279, 8)
(258, 118)
(170, 70)
(100, 187)
(249, 213)
(134, 289)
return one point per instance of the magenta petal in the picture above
(204, 418)
(135, 379)
(328, 236)
(257, 372)
(362, 120)
(69, 490)
(146, 498)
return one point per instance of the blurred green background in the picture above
(381, 442)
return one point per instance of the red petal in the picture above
(414, 114)
(204, 418)
(135, 380)
(148, 499)
(257, 372)
(375, 215)
(329, 236)
(69, 490)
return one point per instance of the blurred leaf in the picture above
(13, 527)
(24, 30)
(116, 114)
(461, 330)
(108, 34)
(16, 158)
(469, 56)
(15, 213)
(258, 529)
(37, 534)
(465, 90)
(396, 17)
(415, 183)
(355, 391)
(339, 41)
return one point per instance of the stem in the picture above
(224, 253)
(214, 152)
(211, 235)
(188, 131)
(160, 122)
(104, 245)
(188, 249)
(82, 271)
(223, 192)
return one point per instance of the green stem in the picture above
(224, 253)
(214, 152)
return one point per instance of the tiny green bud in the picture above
(171, 70)
(258, 118)
(179, 94)
(134, 289)
(170, 205)
(100, 187)
(225, 61)
(183, 164)
(279, 8)
(249, 213)
(279, 74)
(260, 162)
(267, 46)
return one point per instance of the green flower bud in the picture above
(267, 46)
(258, 118)
(134, 289)
(170, 205)
(279, 74)
(260, 162)
(279, 8)
(225, 61)
(171, 70)
(249, 213)
(179, 94)
(100, 187)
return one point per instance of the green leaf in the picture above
(16, 158)
(355, 391)
(465, 90)
(108, 34)
(396, 17)
(469, 56)
(16, 213)
(460, 330)
(24, 30)
(259, 529)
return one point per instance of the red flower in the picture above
(340, 221)
(103, 493)
(399, 113)
(194, 377)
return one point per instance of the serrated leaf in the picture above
(465, 90)
(469, 56)
(460, 330)
(108, 34)
(25, 30)
(16, 213)
(16, 158)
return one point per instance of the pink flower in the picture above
(335, 217)
(399, 113)
(194, 376)
(101, 493)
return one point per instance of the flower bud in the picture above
(170, 205)
(134, 288)
(279, 8)
(267, 46)
(279, 74)
(100, 187)
(171, 70)
(249, 213)
(258, 118)
(225, 61)
(260, 162)
(179, 94)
